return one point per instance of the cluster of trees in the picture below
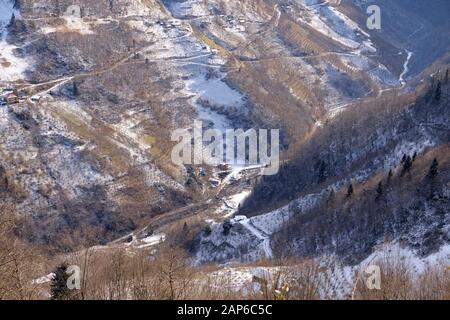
(409, 204)
(16, 26)
(360, 139)
(374, 195)
(398, 282)
(167, 275)
(438, 82)
(19, 262)
(119, 273)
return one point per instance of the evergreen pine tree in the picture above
(226, 227)
(322, 175)
(207, 230)
(403, 158)
(407, 164)
(331, 196)
(433, 171)
(75, 90)
(432, 181)
(379, 191)
(389, 178)
(350, 190)
(58, 286)
(12, 22)
(437, 93)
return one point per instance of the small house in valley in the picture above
(12, 98)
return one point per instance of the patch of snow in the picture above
(260, 235)
(12, 67)
(334, 24)
(394, 252)
(44, 279)
(215, 91)
(253, 233)
(405, 148)
(401, 79)
(72, 24)
(186, 9)
(6, 12)
(236, 200)
(152, 240)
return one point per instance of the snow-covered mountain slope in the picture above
(88, 146)
(419, 26)
(333, 279)
(13, 67)
(6, 11)
(395, 192)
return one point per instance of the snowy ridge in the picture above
(250, 238)
(339, 280)
(337, 26)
